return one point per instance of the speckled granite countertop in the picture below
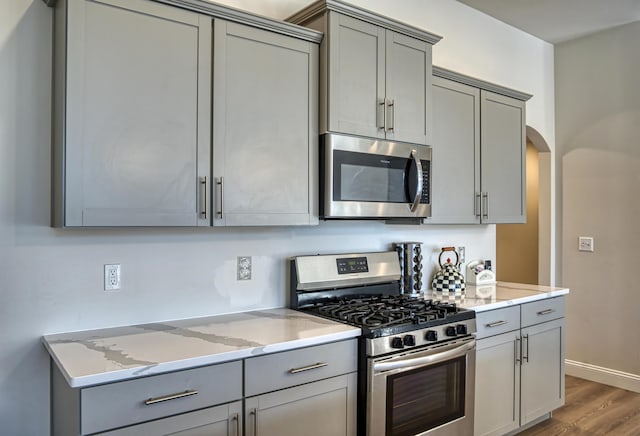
(501, 294)
(99, 356)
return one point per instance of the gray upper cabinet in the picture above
(456, 152)
(478, 152)
(503, 145)
(134, 116)
(265, 128)
(375, 73)
(131, 115)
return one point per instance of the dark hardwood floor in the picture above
(592, 409)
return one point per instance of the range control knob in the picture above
(396, 343)
(431, 335)
(461, 329)
(409, 340)
(450, 331)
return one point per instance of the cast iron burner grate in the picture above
(385, 311)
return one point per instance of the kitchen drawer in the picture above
(542, 310)
(289, 368)
(495, 322)
(220, 420)
(119, 404)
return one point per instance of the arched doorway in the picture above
(524, 252)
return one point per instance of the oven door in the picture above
(366, 178)
(423, 392)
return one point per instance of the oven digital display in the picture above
(352, 265)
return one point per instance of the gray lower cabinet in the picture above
(519, 365)
(321, 408)
(375, 73)
(265, 128)
(310, 391)
(542, 374)
(133, 116)
(478, 153)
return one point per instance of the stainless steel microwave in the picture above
(363, 178)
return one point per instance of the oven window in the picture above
(369, 177)
(425, 398)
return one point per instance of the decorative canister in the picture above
(410, 256)
(449, 278)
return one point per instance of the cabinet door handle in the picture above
(477, 206)
(485, 205)
(392, 106)
(518, 350)
(203, 197)
(220, 186)
(308, 367)
(236, 419)
(157, 400)
(381, 114)
(546, 312)
(496, 323)
(525, 357)
(254, 414)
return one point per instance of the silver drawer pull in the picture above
(496, 324)
(151, 401)
(307, 368)
(546, 312)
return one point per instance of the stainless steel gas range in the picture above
(416, 356)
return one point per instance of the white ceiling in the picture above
(560, 20)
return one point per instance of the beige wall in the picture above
(517, 244)
(598, 114)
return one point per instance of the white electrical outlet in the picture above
(585, 243)
(244, 267)
(461, 255)
(111, 277)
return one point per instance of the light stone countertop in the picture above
(93, 357)
(501, 294)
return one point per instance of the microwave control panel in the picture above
(426, 182)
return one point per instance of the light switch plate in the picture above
(585, 243)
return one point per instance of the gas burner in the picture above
(385, 310)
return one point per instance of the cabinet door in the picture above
(503, 159)
(356, 77)
(408, 89)
(326, 407)
(456, 153)
(542, 369)
(497, 384)
(224, 420)
(265, 127)
(137, 114)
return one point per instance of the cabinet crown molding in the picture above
(239, 16)
(321, 6)
(481, 84)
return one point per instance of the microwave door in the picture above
(414, 181)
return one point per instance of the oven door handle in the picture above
(425, 360)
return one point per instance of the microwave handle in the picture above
(418, 170)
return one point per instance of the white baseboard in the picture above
(611, 377)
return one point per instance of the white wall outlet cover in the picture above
(111, 277)
(244, 267)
